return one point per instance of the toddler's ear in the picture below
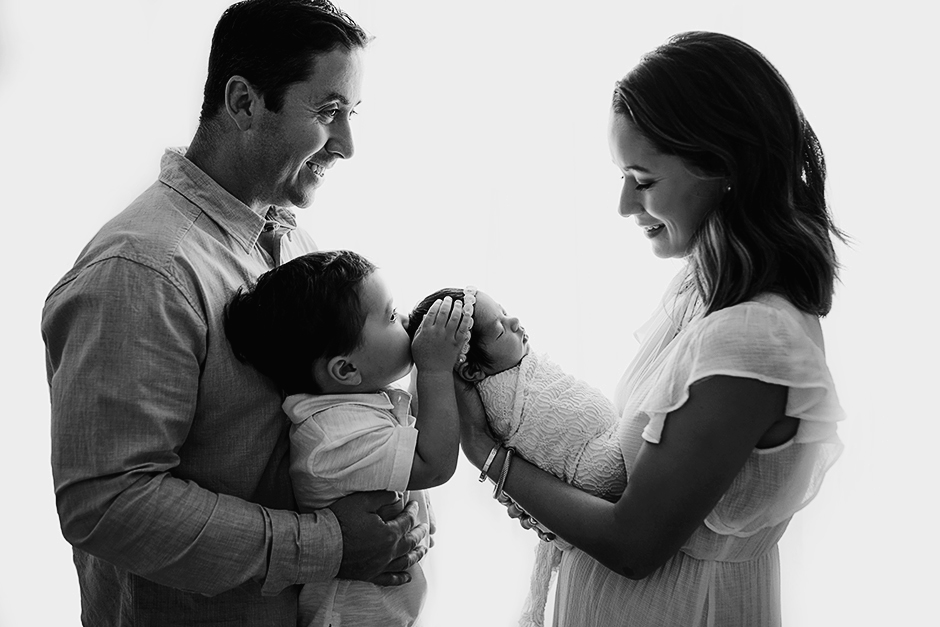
(343, 371)
(470, 372)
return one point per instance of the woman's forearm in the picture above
(586, 521)
(621, 538)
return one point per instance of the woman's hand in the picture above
(525, 521)
(476, 438)
(443, 332)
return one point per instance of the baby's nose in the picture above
(514, 324)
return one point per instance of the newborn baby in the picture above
(552, 419)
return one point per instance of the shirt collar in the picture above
(231, 214)
(299, 407)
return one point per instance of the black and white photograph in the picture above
(564, 314)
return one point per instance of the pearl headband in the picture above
(469, 299)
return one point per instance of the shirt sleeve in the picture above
(754, 341)
(123, 349)
(759, 341)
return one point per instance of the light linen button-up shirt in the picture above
(170, 457)
(345, 443)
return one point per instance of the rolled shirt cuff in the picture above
(304, 548)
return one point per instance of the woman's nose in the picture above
(629, 205)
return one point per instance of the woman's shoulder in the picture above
(767, 316)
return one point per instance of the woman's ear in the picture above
(470, 372)
(341, 370)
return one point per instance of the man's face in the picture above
(291, 150)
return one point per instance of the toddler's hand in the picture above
(443, 331)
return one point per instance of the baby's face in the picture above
(501, 336)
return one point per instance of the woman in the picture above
(728, 411)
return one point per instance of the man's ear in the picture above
(343, 371)
(241, 102)
(470, 372)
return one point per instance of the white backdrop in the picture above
(482, 158)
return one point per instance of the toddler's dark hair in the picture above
(293, 315)
(476, 355)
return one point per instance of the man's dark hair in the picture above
(271, 43)
(293, 315)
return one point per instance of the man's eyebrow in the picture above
(330, 97)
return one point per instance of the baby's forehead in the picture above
(486, 305)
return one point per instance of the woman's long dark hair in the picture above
(719, 104)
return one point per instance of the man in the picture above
(170, 458)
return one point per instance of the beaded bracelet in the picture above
(489, 460)
(498, 492)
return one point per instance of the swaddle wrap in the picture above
(563, 426)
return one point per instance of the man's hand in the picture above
(381, 539)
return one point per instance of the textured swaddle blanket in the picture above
(563, 426)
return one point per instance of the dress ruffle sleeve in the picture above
(768, 340)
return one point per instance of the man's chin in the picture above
(305, 200)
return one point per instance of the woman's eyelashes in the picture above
(640, 187)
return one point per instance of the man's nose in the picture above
(341, 142)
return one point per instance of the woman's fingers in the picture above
(525, 521)
(515, 511)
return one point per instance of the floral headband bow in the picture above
(469, 299)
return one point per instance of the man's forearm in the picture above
(177, 534)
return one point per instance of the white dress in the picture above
(727, 572)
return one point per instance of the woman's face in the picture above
(669, 198)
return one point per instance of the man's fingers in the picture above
(407, 560)
(391, 579)
(407, 519)
(391, 510)
(414, 538)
